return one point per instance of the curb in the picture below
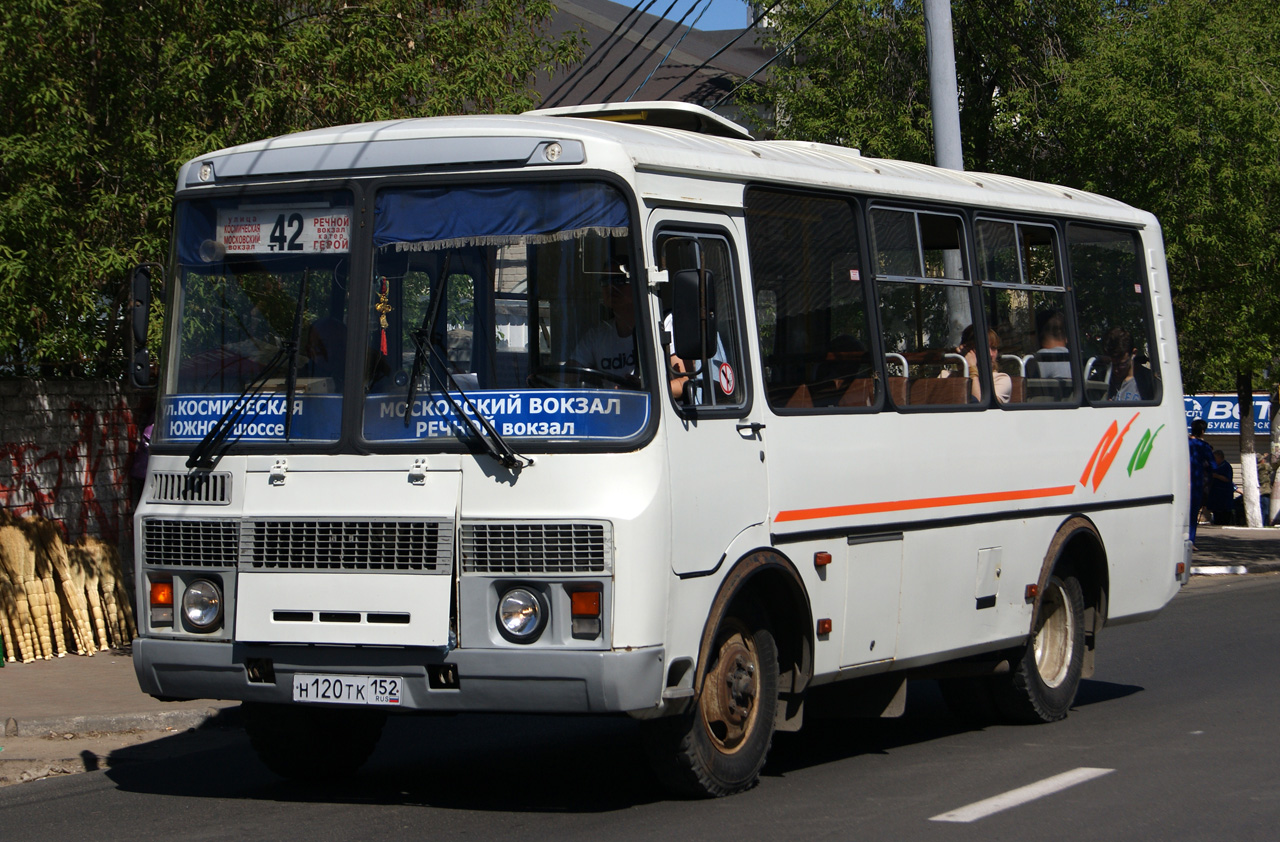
(169, 720)
(1220, 570)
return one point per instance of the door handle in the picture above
(755, 427)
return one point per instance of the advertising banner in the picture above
(1222, 413)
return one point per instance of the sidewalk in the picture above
(79, 694)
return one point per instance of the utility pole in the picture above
(947, 151)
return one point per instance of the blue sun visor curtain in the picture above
(457, 217)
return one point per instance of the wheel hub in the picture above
(729, 693)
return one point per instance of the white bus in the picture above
(614, 409)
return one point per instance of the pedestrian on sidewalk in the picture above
(1222, 490)
(1201, 466)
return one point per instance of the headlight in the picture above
(522, 615)
(202, 604)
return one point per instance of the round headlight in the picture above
(202, 604)
(522, 614)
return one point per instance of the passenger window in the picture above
(1024, 301)
(715, 380)
(810, 299)
(932, 354)
(1113, 328)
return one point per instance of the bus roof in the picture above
(658, 138)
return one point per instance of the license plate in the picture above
(347, 689)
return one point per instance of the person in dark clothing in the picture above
(1222, 490)
(1201, 467)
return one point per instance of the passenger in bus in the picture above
(686, 375)
(1053, 359)
(1129, 381)
(610, 347)
(1001, 382)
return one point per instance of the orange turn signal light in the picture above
(821, 559)
(162, 593)
(585, 603)
(824, 626)
(1032, 592)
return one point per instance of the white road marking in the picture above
(1021, 795)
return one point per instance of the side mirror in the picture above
(139, 312)
(693, 316)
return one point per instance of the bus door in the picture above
(715, 435)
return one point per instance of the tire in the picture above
(1042, 683)
(312, 744)
(719, 747)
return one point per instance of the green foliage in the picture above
(1173, 107)
(103, 100)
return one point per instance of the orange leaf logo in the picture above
(1105, 453)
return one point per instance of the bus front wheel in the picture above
(719, 747)
(1042, 683)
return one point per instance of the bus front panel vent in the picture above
(395, 546)
(197, 489)
(531, 548)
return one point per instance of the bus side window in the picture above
(1113, 325)
(1024, 301)
(925, 306)
(811, 303)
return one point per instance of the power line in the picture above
(630, 52)
(673, 46)
(579, 74)
(714, 55)
(778, 54)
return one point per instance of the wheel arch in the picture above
(768, 580)
(1077, 549)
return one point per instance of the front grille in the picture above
(191, 543)
(203, 489)
(366, 545)
(410, 546)
(515, 547)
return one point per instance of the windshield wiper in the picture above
(426, 342)
(210, 449)
(487, 434)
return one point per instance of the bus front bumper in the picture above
(489, 680)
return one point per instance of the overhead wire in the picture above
(778, 54)
(716, 54)
(630, 52)
(679, 40)
(582, 70)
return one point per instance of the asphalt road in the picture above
(1175, 735)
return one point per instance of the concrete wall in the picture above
(66, 449)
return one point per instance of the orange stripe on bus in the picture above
(924, 503)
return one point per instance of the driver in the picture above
(611, 346)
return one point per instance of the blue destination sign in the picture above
(189, 417)
(1222, 413)
(581, 415)
(592, 415)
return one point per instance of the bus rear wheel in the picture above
(719, 747)
(1043, 681)
(312, 744)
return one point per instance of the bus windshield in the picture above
(260, 309)
(517, 297)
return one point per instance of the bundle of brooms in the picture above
(51, 590)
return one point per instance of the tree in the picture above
(103, 100)
(860, 77)
(1175, 107)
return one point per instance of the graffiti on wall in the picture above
(82, 482)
